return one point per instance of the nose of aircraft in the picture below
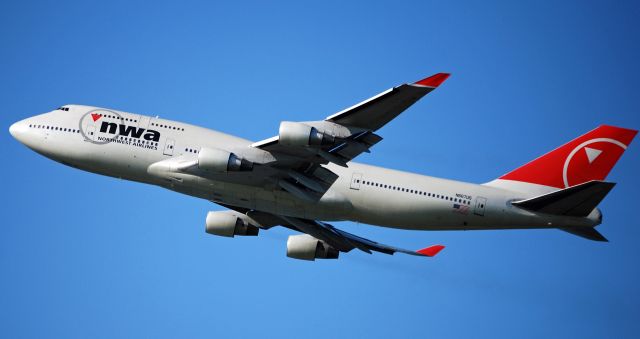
(18, 130)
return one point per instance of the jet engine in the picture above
(306, 247)
(228, 224)
(302, 135)
(217, 160)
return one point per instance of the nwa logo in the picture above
(115, 125)
(129, 131)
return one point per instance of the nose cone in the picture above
(19, 130)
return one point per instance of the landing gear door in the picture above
(169, 146)
(481, 203)
(356, 178)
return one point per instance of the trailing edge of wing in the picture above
(344, 241)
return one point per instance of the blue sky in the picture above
(89, 256)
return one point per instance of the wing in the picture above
(346, 134)
(340, 240)
(300, 148)
(376, 112)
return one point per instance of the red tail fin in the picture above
(588, 157)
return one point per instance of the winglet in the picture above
(434, 80)
(430, 251)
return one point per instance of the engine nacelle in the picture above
(228, 224)
(217, 160)
(306, 247)
(302, 135)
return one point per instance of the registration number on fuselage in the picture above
(463, 196)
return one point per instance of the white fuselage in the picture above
(362, 193)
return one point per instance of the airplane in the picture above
(304, 177)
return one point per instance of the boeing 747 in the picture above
(305, 176)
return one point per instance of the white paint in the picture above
(592, 153)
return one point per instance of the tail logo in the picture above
(591, 154)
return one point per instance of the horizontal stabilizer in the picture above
(575, 201)
(586, 232)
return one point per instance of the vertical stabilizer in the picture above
(586, 158)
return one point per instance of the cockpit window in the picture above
(63, 109)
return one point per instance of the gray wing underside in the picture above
(340, 240)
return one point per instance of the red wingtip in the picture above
(434, 80)
(431, 250)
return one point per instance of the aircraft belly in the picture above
(441, 216)
(401, 214)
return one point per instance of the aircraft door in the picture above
(143, 121)
(90, 133)
(481, 203)
(356, 179)
(168, 146)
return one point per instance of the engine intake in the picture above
(217, 160)
(302, 135)
(229, 224)
(306, 247)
